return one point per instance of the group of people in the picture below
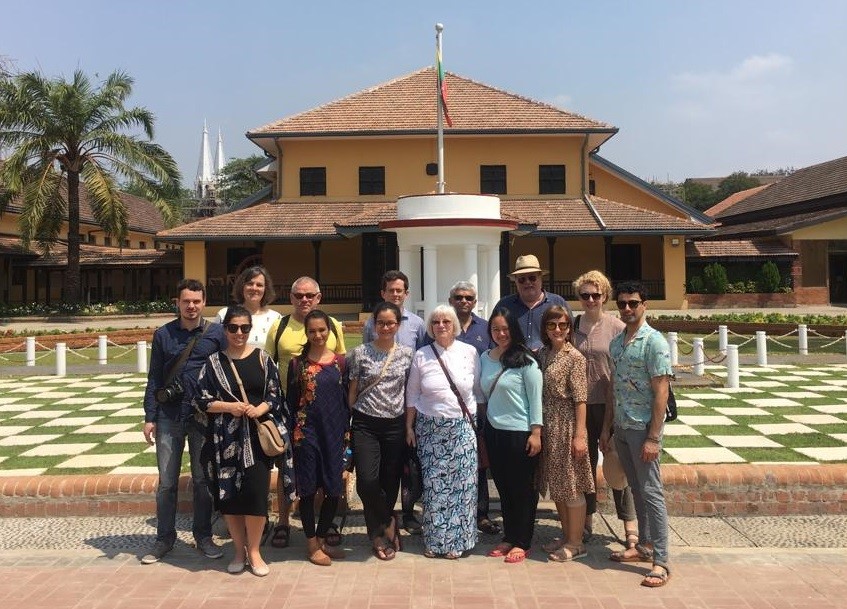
(533, 394)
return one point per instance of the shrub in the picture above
(769, 279)
(695, 285)
(714, 278)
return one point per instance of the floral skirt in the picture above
(447, 451)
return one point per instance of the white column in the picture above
(141, 357)
(699, 364)
(493, 276)
(405, 260)
(803, 339)
(61, 359)
(472, 264)
(30, 351)
(761, 348)
(483, 308)
(673, 341)
(723, 338)
(102, 350)
(430, 278)
(732, 375)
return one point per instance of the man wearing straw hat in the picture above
(530, 301)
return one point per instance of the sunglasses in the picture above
(234, 328)
(562, 325)
(526, 278)
(591, 296)
(632, 304)
(460, 297)
(302, 295)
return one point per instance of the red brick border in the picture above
(690, 490)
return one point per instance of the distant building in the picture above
(207, 201)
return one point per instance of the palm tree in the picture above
(62, 134)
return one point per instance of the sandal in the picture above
(453, 556)
(642, 554)
(663, 575)
(631, 539)
(333, 536)
(429, 554)
(568, 553)
(383, 552)
(281, 536)
(514, 557)
(485, 525)
(553, 546)
(500, 550)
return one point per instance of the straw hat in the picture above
(613, 471)
(527, 264)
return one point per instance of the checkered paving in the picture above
(92, 424)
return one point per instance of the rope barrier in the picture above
(16, 348)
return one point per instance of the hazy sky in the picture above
(696, 88)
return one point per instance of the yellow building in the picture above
(138, 269)
(338, 169)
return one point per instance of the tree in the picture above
(62, 134)
(735, 182)
(698, 195)
(238, 179)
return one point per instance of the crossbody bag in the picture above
(269, 437)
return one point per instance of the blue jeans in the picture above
(647, 491)
(170, 443)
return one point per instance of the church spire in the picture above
(220, 159)
(204, 183)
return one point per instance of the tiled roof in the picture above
(277, 220)
(407, 104)
(743, 248)
(143, 217)
(732, 199)
(10, 245)
(97, 256)
(780, 226)
(808, 184)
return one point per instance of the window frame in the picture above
(313, 181)
(490, 182)
(550, 184)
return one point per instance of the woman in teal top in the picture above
(511, 381)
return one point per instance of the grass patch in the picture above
(726, 430)
(34, 462)
(118, 449)
(830, 429)
(761, 455)
(806, 440)
(687, 442)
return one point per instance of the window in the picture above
(92, 239)
(492, 179)
(107, 241)
(142, 245)
(126, 243)
(551, 179)
(312, 181)
(592, 187)
(371, 180)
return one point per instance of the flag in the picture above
(442, 87)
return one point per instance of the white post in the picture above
(30, 351)
(493, 277)
(722, 339)
(673, 341)
(141, 359)
(439, 145)
(472, 264)
(732, 366)
(699, 366)
(102, 354)
(761, 348)
(61, 360)
(430, 278)
(803, 339)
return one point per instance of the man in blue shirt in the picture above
(474, 331)
(169, 416)
(530, 302)
(641, 369)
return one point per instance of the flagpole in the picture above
(440, 139)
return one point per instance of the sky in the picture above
(696, 89)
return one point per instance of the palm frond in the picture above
(105, 200)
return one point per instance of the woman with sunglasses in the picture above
(378, 371)
(253, 290)
(317, 406)
(511, 380)
(236, 386)
(565, 471)
(593, 330)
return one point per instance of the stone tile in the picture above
(734, 390)
(50, 450)
(838, 382)
(679, 429)
(827, 388)
(33, 440)
(12, 430)
(775, 429)
(717, 454)
(138, 470)
(5, 400)
(705, 420)
(130, 437)
(790, 378)
(784, 366)
(96, 461)
(130, 394)
(89, 384)
(27, 389)
(825, 453)
(707, 396)
(687, 403)
(842, 437)
(107, 389)
(764, 384)
(796, 395)
(129, 412)
(42, 414)
(741, 411)
(56, 394)
(20, 407)
(71, 421)
(105, 406)
(110, 429)
(831, 408)
(77, 401)
(10, 473)
(745, 441)
(771, 402)
(815, 419)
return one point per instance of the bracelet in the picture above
(653, 440)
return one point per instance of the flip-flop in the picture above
(568, 553)
(663, 576)
(281, 536)
(516, 557)
(639, 556)
(383, 552)
(500, 551)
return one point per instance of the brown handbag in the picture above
(269, 437)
